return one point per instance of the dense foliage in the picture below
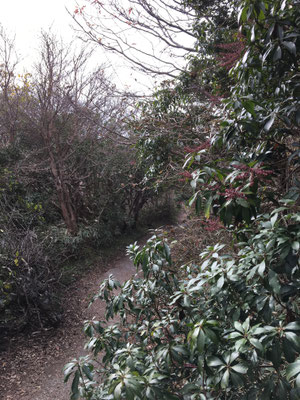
(69, 180)
(225, 326)
(228, 330)
(261, 127)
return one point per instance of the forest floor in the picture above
(31, 366)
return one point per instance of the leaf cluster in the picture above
(230, 328)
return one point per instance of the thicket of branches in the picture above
(69, 178)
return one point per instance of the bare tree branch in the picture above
(152, 36)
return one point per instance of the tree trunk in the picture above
(63, 194)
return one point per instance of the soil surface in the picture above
(31, 366)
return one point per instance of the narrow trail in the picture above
(32, 369)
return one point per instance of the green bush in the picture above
(228, 330)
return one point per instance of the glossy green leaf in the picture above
(118, 391)
(277, 54)
(293, 326)
(269, 123)
(240, 368)
(225, 379)
(238, 326)
(274, 219)
(274, 354)
(201, 341)
(253, 34)
(236, 379)
(88, 371)
(288, 350)
(220, 282)
(207, 207)
(261, 268)
(290, 46)
(214, 361)
(68, 370)
(293, 369)
(274, 282)
(235, 335)
(257, 344)
(74, 387)
(294, 338)
(249, 106)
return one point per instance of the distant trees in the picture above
(10, 87)
(67, 102)
(65, 107)
(68, 174)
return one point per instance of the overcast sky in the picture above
(26, 18)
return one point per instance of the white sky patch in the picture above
(26, 18)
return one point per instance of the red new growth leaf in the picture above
(79, 10)
(186, 174)
(231, 52)
(233, 193)
(202, 146)
(212, 225)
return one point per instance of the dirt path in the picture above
(31, 369)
